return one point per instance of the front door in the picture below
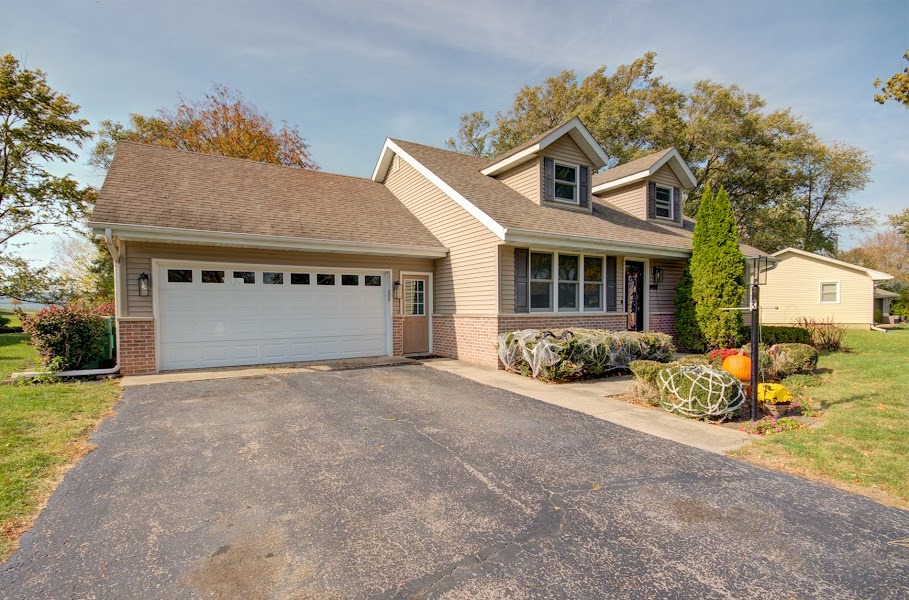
(416, 314)
(634, 294)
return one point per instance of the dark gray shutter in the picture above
(610, 282)
(548, 179)
(651, 200)
(521, 267)
(584, 186)
(677, 204)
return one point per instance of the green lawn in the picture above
(862, 442)
(13, 319)
(43, 430)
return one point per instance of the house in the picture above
(882, 300)
(804, 284)
(220, 261)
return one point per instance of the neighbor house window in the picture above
(663, 202)
(568, 282)
(593, 283)
(830, 292)
(540, 281)
(566, 183)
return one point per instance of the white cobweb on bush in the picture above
(700, 391)
(536, 350)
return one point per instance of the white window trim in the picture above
(820, 292)
(671, 216)
(575, 184)
(554, 288)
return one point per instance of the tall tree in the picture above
(686, 320)
(896, 87)
(726, 134)
(38, 127)
(222, 122)
(900, 222)
(717, 271)
(887, 251)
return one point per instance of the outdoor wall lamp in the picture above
(143, 284)
(397, 293)
(656, 274)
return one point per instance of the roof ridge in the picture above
(235, 158)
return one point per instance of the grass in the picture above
(13, 318)
(44, 430)
(862, 442)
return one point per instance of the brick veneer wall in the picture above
(397, 336)
(664, 323)
(136, 346)
(473, 338)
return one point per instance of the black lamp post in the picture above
(756, 268)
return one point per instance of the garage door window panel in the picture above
(350, 280)
(372, 281)
(271, 278)
(299, 279)
(179, 276)
(212, 276)
(245, 277)
(325, 279)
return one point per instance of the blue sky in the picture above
(351, 73)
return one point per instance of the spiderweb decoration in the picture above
(700, 391)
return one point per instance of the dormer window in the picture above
(663, 204)
(566, 183)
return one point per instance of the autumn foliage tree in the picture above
(222, 122)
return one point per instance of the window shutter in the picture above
(584, 186)
(651, 200)
(677, 204)
(521, 268)
(548, 179)
(610, 283)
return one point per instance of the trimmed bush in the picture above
(579, 352)
(694, 359)
(700, 391)
(646, 370)
(68, 337)
(773, 334)
(789, 359)
(686, 321)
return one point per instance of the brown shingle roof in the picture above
(523, 146)
(629, 168)
(161, 187)
(514, 211)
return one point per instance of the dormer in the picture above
(554, 168)
(649, 188)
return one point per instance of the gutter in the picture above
(82, 373)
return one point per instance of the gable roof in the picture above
(881, 293)
(515, 218)
(166, 191)
(642, 168)
(573, 127)
(874, 275)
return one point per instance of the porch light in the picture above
(143, 284)
(656, 274)
(397, 293)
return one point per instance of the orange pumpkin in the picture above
(738, 365)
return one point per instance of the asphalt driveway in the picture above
(409, 482)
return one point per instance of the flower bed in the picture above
(579, 352)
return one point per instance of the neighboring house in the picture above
(810, 285)
(220, 261)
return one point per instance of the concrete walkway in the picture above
(592, 397)
(340, 364)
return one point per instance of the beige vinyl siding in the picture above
(465, 281)
(565, 150)
(794, 287)
(630, 198)
(139, 257)
(526, 179)
(662, 299)
(506, 279)
(666, 176)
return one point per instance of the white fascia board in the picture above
(644, 174)
(449, 191)
(171, 235)
(385, 157)
(593, 151)
(572, 242)
(874, 275)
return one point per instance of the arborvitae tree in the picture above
(686, 322)
(717, 271)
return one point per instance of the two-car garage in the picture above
(218, 314)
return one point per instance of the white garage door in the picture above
(223, 315)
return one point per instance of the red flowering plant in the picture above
(68, 337)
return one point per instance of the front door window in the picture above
(634, 294)
(414, 297)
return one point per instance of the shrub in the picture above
(789, 359)
(825, 333)
(686, 322)
(773, 334)
(646, 370)
(645, 393)
(765, 361)
(579, 352)
(72, 333)
(700, 391)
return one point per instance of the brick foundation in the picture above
(473, 339)
(664, 323)
(397, 336)
(136, 346)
